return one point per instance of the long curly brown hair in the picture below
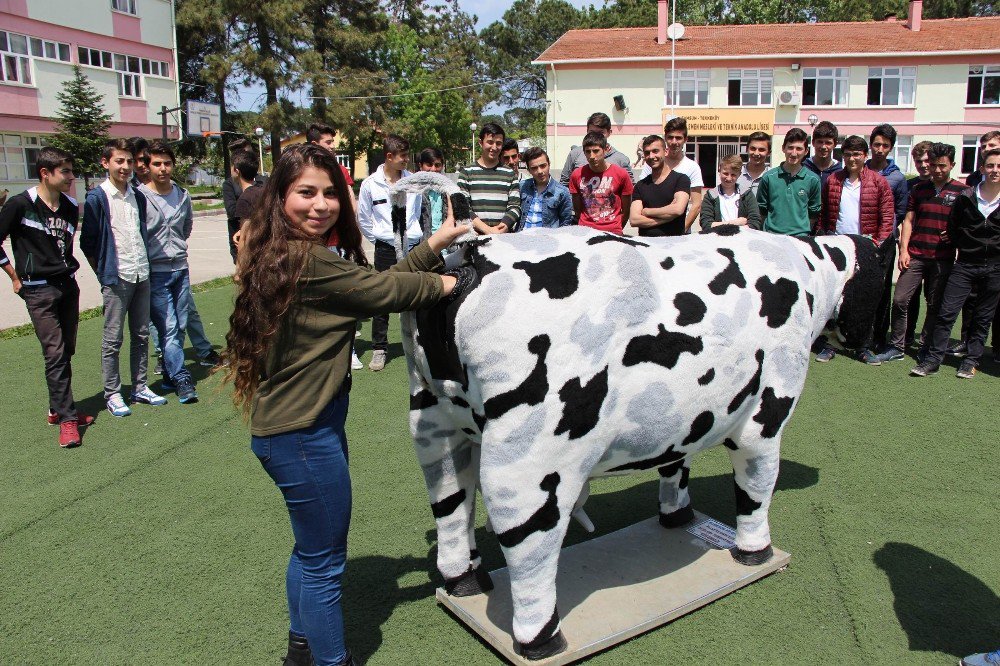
(269, 265)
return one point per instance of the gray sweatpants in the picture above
(120, 300)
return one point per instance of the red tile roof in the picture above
(777, 39)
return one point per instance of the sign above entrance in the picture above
(725, 121)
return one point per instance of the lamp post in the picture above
(813, 119)
(260, 145)
(472, 144)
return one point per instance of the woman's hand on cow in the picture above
(446, 235)
(448, 283)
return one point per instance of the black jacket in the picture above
(976, 237)
(42, 239)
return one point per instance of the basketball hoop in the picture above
(210, 134)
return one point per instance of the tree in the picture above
(82, 125)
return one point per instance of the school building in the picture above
(936, 80)
(127, 48)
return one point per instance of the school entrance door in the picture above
(709, 151)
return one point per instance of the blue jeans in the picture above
(195, 331)
(169, 294)
(309, 466)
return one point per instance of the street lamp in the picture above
(813, 119)
(260, 145)
(472, 145)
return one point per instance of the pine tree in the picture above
(82, 127)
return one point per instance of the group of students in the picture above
(134, 234)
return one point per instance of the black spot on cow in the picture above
(773, 412)
(673, 468)
(531, 391)
(667, 263)
(837, 256)
(615, 238)
(582, 404)
(422, 400)
(810, 299)
(461, 207)
(469, 431)
(726, 230)
(543, 520)
(731, 275)
(699, 428)
(744, 503)
(483, 265)
(706, 378)
(752, 386)
(664, 348)
(665, 458)
(777, 299)
(447, 506)
(480, 420)
(813, 245)
(690, 308)
(458, 401)
(556, 275)
(729, 444)
(809, 264)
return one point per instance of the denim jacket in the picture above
(557, 206)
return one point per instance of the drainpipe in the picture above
(555, 105)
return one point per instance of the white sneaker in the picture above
(378, 360)
(356, 363)
(982, 659)
(117, 406)
(147, 397)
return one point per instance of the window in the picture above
(970, 153)
(344, 160)
(691, 88)
(750, 87)
(18, 155)
(129, 85)
(824, 86)
(901, 152)
(127, 6)
(122, 63)
(891, 86)
(16, 52)
(984, 85)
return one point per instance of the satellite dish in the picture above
(675, 31)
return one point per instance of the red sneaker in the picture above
(69, 435)
(53, 418)
(84, 419)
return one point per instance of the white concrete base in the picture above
(615, 587)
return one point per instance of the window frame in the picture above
(137, 85)
(22, 60)
(761, 75)
(129, 7)
(878, 75)
(698, 76)
(987, 72)
(840, 79)
(969, 153)
(119, 62)
(21, 147)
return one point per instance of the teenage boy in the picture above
(493, 191)
(245, 166)
(789, 196)
(40, 223)
(113, 239)
(728, 203)
(924, 256)
(510, 157)
(660, 199)
(375, 220)
(974, 230)
(758, 156)
(232, 189)
(601, 123)
(602, 192)
(140, 170)
(988, 141)
(856, 201)
(883, 141)
(169, 220)
(544, 202)
(675, 133)
(326, 136)
(436, 205)
(824, 141)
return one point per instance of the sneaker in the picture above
(117, 406)
(356, 363)
(158, 370)
(83, 420)
(959, 349)
(982, 659)
(924, 370)
(922, 355)
(147, 397)
(826, 355)
(210, 360)
(69, 435)
(967, 370)
(890, 354)
(378, 360)
(869, 357)
(185, 391)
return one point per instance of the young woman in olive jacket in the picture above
(303, 282)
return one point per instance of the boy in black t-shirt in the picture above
(661, 198)
(41, 223)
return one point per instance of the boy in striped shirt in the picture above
(492, 189)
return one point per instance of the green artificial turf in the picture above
(161, 540)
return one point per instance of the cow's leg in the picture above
(450, 462)
(675, 502)
(530, 511)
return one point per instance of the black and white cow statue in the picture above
(575, 354)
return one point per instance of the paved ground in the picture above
(208, 257)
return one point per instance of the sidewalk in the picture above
(208, 258)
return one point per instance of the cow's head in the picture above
(855, 315)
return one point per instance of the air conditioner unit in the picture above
(788, 98)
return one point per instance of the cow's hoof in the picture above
(547, 648)
(474, 581)
(678, 518)
(752, 558)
